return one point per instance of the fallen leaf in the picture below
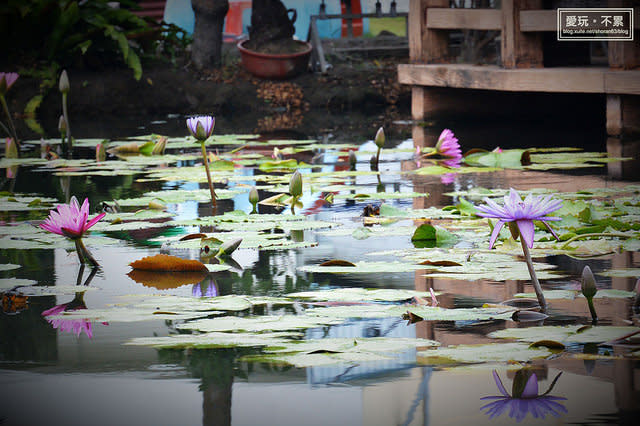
(164, 262)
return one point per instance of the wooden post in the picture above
(519, 50)
(625, 55)
(426, 46)
(614, 115)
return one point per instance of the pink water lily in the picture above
(522, 212)
(201, 127)
(70, 220)
(6, 81)
(448, 145)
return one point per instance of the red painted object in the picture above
(276, 67)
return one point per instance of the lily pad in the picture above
(212, 340)
(360, 295)
(362, 268)
(501, 352)
(564, 334)
(258, 324)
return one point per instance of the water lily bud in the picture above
(295, 184)
(229, 247)
(11, 150)
(352, 159)
(588, 283)
(254, 197)
(6, 81)
(63, 84)
(101, 152)
(159, 147)
(379, 140)
(62, 125)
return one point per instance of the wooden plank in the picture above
(538, 20)
(625, 54)
(470, 19)
(435, 43)
(622, 82)
(519, 50)
(552, 80)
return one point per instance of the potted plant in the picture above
(271, 51)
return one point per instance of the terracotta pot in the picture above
(275, 66)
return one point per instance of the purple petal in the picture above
(526, 231)
(531, 388)
(494, 235)
(499, 384)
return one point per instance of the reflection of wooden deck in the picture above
(557, 80)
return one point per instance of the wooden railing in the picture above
(520, 22)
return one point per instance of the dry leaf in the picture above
(164, 262)
(337, 262)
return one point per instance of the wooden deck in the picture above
(552, 80)
(523, 50)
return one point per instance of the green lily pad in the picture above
(318, 352)
(362, 268)
(266, 323)
(491, 352)
(425, 312)
(125, 314)
(565, 334)
(8, 267)
(212, 340)
(360, 295)
(572, 294)
(8, 283)
(621, 273)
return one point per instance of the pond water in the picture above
(363, 363)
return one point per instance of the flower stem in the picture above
(14, 135)
(83, 253)
(592, 310)
(214, 203)
(294, 200)
(534, 277)
(378, 156)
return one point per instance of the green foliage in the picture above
(66, 31)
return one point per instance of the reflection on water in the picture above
(139, 385)
(524, 398)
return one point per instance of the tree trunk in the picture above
(206, 50)
(270, 22)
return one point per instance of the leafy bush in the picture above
(38, 32)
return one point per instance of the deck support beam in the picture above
(519, 50)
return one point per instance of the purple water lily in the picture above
(71, 221)
(201, 127)
(523, 400)
(522, 212)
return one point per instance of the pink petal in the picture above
(94, 221)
